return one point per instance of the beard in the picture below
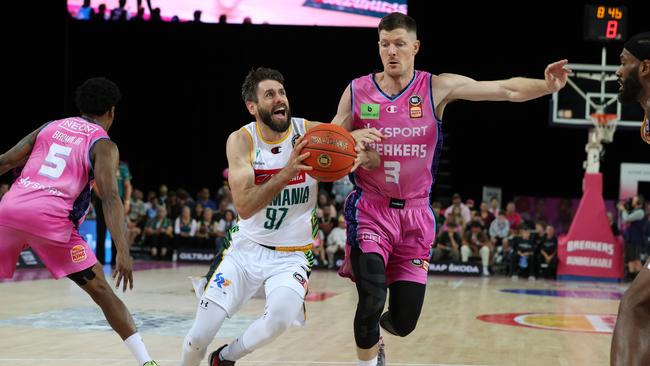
(631, 88)
(266, 115)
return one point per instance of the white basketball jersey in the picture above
(288, 220)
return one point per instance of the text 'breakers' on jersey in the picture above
(410, 152)
(288, 219)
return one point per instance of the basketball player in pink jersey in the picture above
(47, 203)
(632, 331)
(390, 225)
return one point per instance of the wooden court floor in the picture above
(48, 322)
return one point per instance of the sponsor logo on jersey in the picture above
(415, 106)
(262, 175)
(391, 109)
(369, 111)
(276, 150)
(72, 125)
(370, 236)
(78, 253)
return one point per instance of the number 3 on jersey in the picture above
(54, 162)
(392, 168)
(272, 216)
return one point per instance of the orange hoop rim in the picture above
(603, 119)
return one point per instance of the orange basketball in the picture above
(332, 152)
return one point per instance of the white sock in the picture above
(234, 351)
(137, 347)
(372, 362)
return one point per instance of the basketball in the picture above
(332, 152)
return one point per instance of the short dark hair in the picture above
(97, 96)
(396, 20)
(254, 78)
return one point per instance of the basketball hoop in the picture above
(605, 124)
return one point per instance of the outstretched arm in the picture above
(516, 89)
(248, 196)
(18, 154)
(106, 158)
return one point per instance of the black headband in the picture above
(639, 46)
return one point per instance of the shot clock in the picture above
(605, 23)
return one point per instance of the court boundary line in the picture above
(129, 360)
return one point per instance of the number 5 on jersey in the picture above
(55, 161)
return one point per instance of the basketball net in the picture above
(605, 126)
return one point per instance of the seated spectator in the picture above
(151, 206)
(204, 199)
(499, 230)
(173, 205)
(198, 211)
(207, 230)
(463, 210)
(137, 217)
(457, 217)
(476, 243)
(162, 194)
(494, 207)
(158, 234)
(514, 218)
(184, 229)
(336, 241)
(326, 219)
(524, 261)
(547, 258)
(486, 216)
(448, 244)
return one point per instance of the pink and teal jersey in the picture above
(52, 195)
(409, 153)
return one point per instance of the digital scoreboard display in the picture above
(605, 23)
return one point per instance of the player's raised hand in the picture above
(556, 75)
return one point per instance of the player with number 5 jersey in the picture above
(63, 160)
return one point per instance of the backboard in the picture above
(592, 88)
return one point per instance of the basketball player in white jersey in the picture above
(275, 199)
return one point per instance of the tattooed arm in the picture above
(18, 154)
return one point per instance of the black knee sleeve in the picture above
(82, 277)
(404, 307)
(370, 279)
